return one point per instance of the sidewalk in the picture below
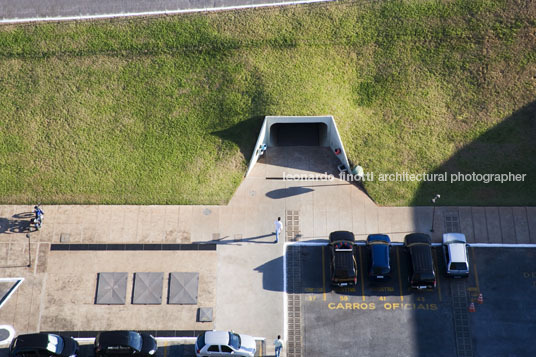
(249, 274)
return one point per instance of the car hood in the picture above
(248, 343)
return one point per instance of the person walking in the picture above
(278, 344)
(278, 229)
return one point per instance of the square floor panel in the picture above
(183, 288)
(111, 288)
(147, 288)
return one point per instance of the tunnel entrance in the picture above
(298, 134)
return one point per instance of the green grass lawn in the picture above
(166, 110)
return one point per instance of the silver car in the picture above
(224, 343)
(455, 254)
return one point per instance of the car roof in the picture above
(458, 252)
(217, 337)
(380, 255)
(421, 257)
(341, 235)
(449, 238)
(35, 341)
(344, 264)
(120, 338)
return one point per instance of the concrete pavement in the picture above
(244, 276)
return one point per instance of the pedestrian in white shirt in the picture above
(278, 344)
(278, 229)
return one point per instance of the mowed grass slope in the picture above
(166, 110)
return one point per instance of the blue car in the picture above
(379, 247)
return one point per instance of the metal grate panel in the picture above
(452, 223)
(462, 328)
(292, 225)
(294, 313)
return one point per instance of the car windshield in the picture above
(201, 341)
(234, 340)
(55, 344)
(458, 266)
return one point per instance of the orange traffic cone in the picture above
(480, 299)
(472, 307)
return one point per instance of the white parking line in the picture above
(285, 293)
(153, 13)
(500, 245)
(5, 298)
(480, 245)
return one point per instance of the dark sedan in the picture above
(113, 343)
(43, 344)
(379, 246)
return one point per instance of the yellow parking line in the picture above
(165, 349)
(323, 276)
(260, 350)
(474, 269)
(437, 276)
(362, 279)
(399, 277)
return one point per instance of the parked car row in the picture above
(108, 343)
(344, 265)
(129, 343)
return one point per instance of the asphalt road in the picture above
(32, 10)
(389, 319)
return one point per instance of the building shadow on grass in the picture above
(244, 134)
(509, 147)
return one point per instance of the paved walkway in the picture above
(248, 284)
(12, 11)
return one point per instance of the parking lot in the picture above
(174, 348)
(388, 319)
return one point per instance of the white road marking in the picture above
(153, 13)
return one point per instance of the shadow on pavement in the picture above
(237, 241)
(288, 192)
(15, 225)
(272, 274)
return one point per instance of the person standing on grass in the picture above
(278, 229)
(278, 344)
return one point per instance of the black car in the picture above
(343, 264)
(379, 247)
(113, 343)
(43, 344)
(422, 274)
